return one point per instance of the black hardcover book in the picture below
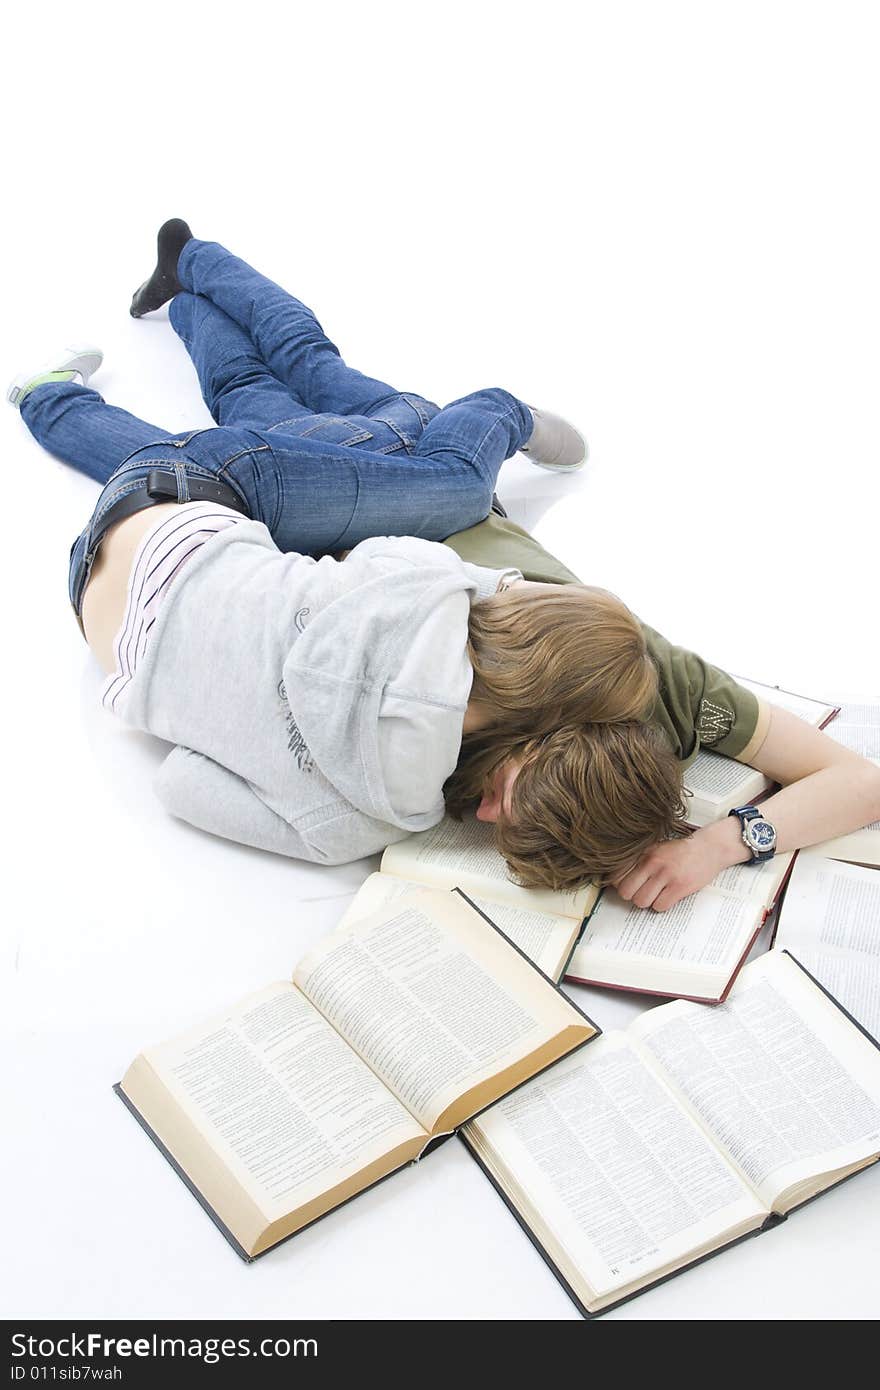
(518, 1148)
(292, 1087)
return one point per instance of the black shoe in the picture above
(496, 506)
(163, 284)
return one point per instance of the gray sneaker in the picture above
(554, 443)
(67, 365)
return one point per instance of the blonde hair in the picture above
(587, 802)
(561, 654)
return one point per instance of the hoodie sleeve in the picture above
(212, 798)
(411, 551)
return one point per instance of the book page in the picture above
(831, 924)
(782, 1081)
(759, 880)
(831, 904)
(602, 1155)
(719, 782)
(857, 726)
(290, 1109)
(434, 999)
(858, 847)
(624, 944)
(853, 980)
(545, 939)
(812, 711)
(462, 854)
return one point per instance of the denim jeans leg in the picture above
(456, 460)
(77, 425)
(331, 497)
(237, 386)
(284, 331)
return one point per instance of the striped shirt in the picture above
(160, 557)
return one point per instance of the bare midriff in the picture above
(103, 606)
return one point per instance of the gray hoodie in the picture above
(317, 705)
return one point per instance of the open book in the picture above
(831, 922)
(717, 783)
(462, 854)
(812, 711)
(391, 1033)
(657, 1147)
(857, 726)
(694, 950)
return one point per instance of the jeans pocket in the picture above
(405, 416)
(330, 429)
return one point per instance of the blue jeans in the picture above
(320, 453)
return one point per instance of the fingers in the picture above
(636, 883)
(651, 885)
(650, 891)
(630, 883)
(668, 897)
(640, 889)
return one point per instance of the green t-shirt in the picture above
(699, 706)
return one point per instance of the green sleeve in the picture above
(514, 548)
(699, 705)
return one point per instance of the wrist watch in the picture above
(758, 835)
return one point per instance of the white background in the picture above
(661, 220)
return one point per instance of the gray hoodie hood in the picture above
(317, 705)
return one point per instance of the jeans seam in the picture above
(359, 436)
(130, 463)
(509, 411)
(111, 501)
(403, 440)
(415, 403)
(255, 449)
(347, 527)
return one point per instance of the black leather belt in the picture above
(161, 486)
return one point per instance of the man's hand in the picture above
(672, 870)
(827, 790)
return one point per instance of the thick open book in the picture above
(692, 951)
(857, 726)
(831, 922)
(657, 1147)
(716, 783)
(391, 1033)
(812, 711)
(462, 854)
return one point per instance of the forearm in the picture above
(827, 790)
(830, 802)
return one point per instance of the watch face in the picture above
(761, 834)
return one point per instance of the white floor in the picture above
(662, 222)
